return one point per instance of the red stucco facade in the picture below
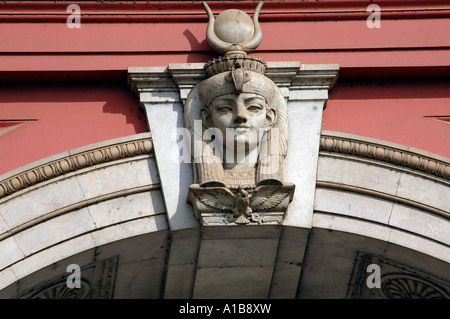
(64, 87)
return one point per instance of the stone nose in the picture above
(240, 114)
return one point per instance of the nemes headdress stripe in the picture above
(237, 81)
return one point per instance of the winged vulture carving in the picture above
(242, 204)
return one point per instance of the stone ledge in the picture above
(260, 218)
(73, 160)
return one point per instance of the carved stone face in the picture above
(244, 113)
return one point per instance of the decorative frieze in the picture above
(385, 152)
(74, 162)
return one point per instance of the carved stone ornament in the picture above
(408, 286)
(60, 290)
(397, 281)
(238, 122)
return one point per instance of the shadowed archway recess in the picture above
(375, 202)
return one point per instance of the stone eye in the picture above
(254, 108)
(224, 109)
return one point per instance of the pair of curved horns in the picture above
(222, 46)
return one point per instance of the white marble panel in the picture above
(420, 244)
(358, 173)
(38, 201)
(126, 208)
(305, 120)
(52, 255)
(120, 176)
(176, 176)
(425, 191)
(8, 278)
(129, 229)
(54, 231)
(10, 252)
(421, 222)
(351, 225)
(319, 95)
(3, 226)
(353, 204)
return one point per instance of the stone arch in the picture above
(101, 207)
(89, 206)
(382, 203)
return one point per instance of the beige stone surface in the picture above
(360, 206)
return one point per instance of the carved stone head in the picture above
(243, 136)
(240, 114)
(239, 126)
(241, 100)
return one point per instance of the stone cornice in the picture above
(150, 82)
(192, 11)
(70, 161)
(385, 151)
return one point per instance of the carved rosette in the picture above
(397, 281)
(97, 281)
(60, 290)
(406, 286)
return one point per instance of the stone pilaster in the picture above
(159, 96)
(306, 89)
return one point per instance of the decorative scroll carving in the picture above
(238, 122)
(385, 153)
(72, 163)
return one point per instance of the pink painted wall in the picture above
(413, 113)
(393, 84)
(56, 118)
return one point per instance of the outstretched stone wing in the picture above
(270, 196)
(219, 198)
